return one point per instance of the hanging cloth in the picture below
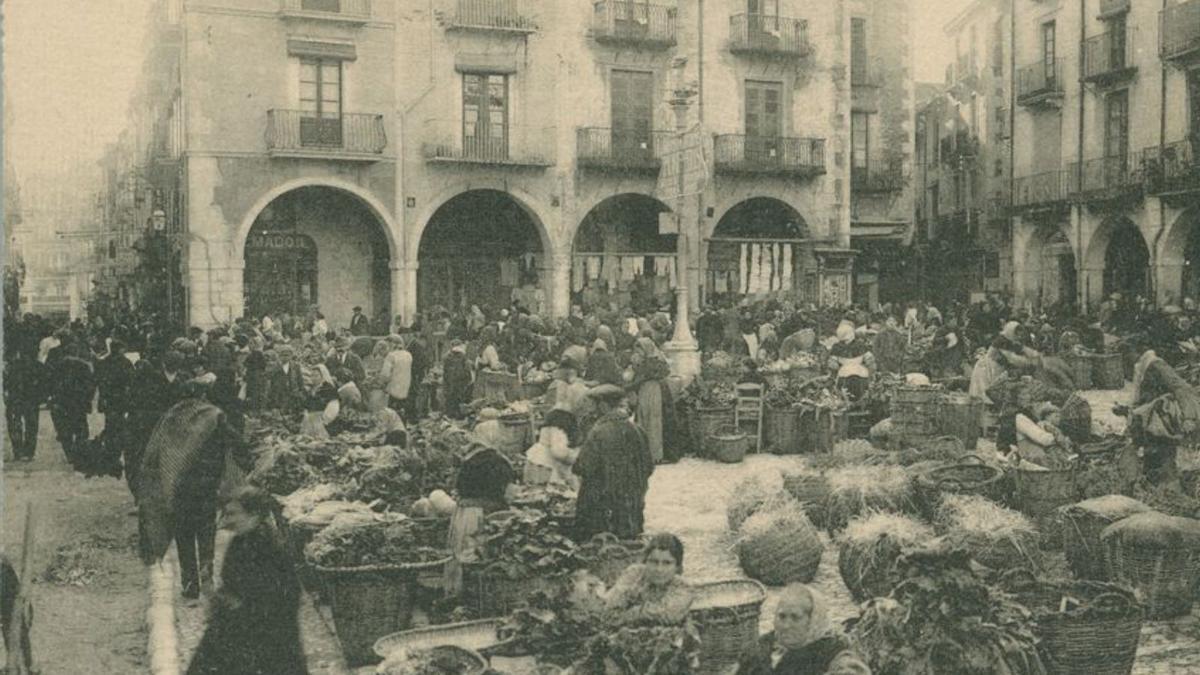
(721, 283)
(671, 272)
(639, 266)
(764, 268)
(578, 275)
(755, 268)
(787, 267)
(744, 271)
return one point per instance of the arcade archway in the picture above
(1179, 256)
(317, 246)
(481, 247)
(758, 247)
(620, 257)
(1050, 265)
(1126, 260)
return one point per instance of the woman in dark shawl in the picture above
(614, 468)
(456, 379)
(655, 407)
(253, 629)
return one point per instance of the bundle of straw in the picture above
(869, 548)
(858, 489)
(997, 537)
(811, 491)
(778, 545)
(748, 496)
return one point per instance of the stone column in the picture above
(404, 289)
(557, 287)
(215, 284)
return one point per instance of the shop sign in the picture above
(280, 241)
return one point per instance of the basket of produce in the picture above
(726, 614)
(870, 547)
(778, 544)
(968, 476)
(775, 379)
(369, 571)
(1108, 371)
(1083, 627)
(858, 489)
(438, 660)
(811, 491)
(516, 432)
(723, 369)
(520, 555)
(1039, 493)
(914, 409)
(709, 423)
(1082, 524)
(824, 426)
(782, 431)
(610, 556)
(479, 636)
(730, 446)
(1159, 557)
(1080, 366)
(995, 537)
(960, 418)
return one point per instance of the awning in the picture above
(322, 50)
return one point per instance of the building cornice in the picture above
(265, 14)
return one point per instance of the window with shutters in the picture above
(860, 135)
(320, 102)
(632, 102)
(1048, 49)
(998, 47)
(485, 116)
(764, 120)
(1116, 128)
(858, 52)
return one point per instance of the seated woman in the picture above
(804, 641)
(1027, 434)
(386, 420)
(549, 460)
(484, 478)
(652, 591)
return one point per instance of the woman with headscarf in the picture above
(888, 347)
(549, 460)
(321, 405)
(653, 590)
(456, 379)
(489, 357)
(1164, 412)
(655, 406)
(851, 358)
(484, 477)
(804, 642)
(602, 367)
(1005, 353)
(614, 469)
(475, 321)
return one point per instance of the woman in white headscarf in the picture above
(1005, 353)
(804, 641)
(852, 359)
(321, 399)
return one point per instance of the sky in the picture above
(932, 49)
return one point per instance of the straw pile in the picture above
(871, 546)
(778, 545)
(748, 497)
(997, 537)
(855, 490)
(811, 491)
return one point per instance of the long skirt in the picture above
(650, 416)
(465, 526)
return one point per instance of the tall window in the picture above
(998, 47)
(974, 46)
(1116, 128)
(321, 5)
(485, 115)
(1116, 44)
(632, 94)
(1194, 105)
(860, 137)
(764, 120)
(1048, 51)
(858, 51)
(763, 15)
(320, 102)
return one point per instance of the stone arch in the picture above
(729, 207)
(608, 200)
(1118, 258)
(1178, 259)
(534, 208)
(762, 226)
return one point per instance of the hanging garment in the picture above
(639, 266)
(744, 271)
(787, 267)
(775, 265)
(530, 261)
(756, 262)
(671, 273)
(721, 283)
(578, 275)
(764, 268)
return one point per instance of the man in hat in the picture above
(396, 373)
(456, 379)
(344, 365)
(359, 323)
(614, 468)
(285, 385)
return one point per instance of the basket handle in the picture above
(605, 538)
(950, 483)
(1111, 600)
(968, 460)
(1019, 578)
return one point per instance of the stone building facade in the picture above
(401, 156)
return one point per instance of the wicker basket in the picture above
(960, 418)
(1100, 637)
(1081, 528)
(824, 428)
(709, 422)
(369, 603)
(488, 592)
(614, 556)
(1165, 578)
(1039, 495)
(452, 659)
(298, 537)
(781, 431)
(915, 410)
(1081, 370)
(775, 380)
(1108, 371)
(726, 614)
(477, 636)
(516, 434)
(970, 476)
(729, 446)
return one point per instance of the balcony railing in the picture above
(348, 136)
(634, 23)
(1179, 30)
(886, 176)
(1172, 168)
(509, 16)
(1113, 7)
(1105, 176)
(739, 153)
(1039, 82)
(768, 35)
(1041, 189)
(1109, 56)
(518, 146)
(352, 11)
(607, 149)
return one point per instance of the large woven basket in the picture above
(1108, 371)
(970, 476)
(369, 603)
(729, 446)
(960, 418)
(709, 422)
(781, 431)
(1081, 528)
(516, 433)
(1081, 370)
(1039, 495)
(477, 636)
(726, 614)
(614, 556)
(452, 659)
(824, 428)
(915, 410)
(1098, 637)
(488, 592)
(1165, 578)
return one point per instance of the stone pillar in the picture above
(404, 289)
(215, 286)
(835, 270)
(556, 289)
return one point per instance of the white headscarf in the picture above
(845, 332)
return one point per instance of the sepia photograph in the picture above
(600, 337)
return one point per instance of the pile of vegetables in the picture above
(704, 394)
(281, 470)
(554, 500)
(723, 366)
(443, 660)
(377, 543)
(798, 361)
(528, 544)
(815, 393)
(944, 620)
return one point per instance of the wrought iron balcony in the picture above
(1179, 31)
(603, 148)
(1109, 57)
(739, 153)
(1173, 168)
(1040, 189)
(516, 146)
(1106, 177)
(344, 11)
(886, 176)
(626, 22)
(760, 34)
(505, 16)
(1110, 8)
(1040, 83)
(296, 133)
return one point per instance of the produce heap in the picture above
(375, 544)
(813, 394)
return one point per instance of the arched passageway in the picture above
(481, 248)
(1053, 263)
(758, 247)
(620, 259)
(1126, 261)
(317, 246)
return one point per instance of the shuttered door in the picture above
(632, 114)
(764, 122)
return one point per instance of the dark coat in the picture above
(150, 397)
(360, 325)
(484, 477)
(602, 367)
(614, 467)
(114, 376)
(73, 384)
(285, 391)
(709, 331)
(26, 382)
(347, 368)
(826, 656)
(254, 628)
(456, 380)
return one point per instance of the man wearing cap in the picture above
(396, 373)
(359, 323)
(614, 468)
(285, 385)
(345, 364)
(456, 379)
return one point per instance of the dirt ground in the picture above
(91, 618)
